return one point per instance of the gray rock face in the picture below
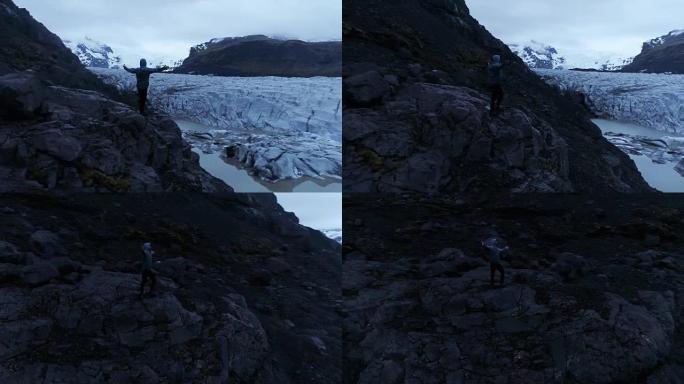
(75, 315)
(416, 120)
(416, 313)
(68, 139)
(235, 56)
(434, 138)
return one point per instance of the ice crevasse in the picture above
(281, 127)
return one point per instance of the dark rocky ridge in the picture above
(61, 128)
(26, 44)
(69, 139)
(594, 290)
(262, 56)
(244, 293)
(415, 118)
(663, 54)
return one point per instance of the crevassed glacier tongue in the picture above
(651, 100)
(284, 128)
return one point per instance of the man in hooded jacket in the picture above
(142, 75)
(496, 82)
(496, 253)
(147, 271)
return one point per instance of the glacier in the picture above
(282, 128)
(650, 100)
(640, 113)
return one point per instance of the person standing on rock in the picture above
(496, 252)
(147, 271)
(142, 76)
(496, 82)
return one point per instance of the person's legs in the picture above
(499, 98)
(501, 270)
(142, 99)
(142, 282)
(492, 269)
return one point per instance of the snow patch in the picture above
(335, 234)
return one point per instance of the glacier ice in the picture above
(284, 128)
(651, 100)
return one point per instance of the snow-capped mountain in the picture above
(539, 55)
(661, 55)
(335, 234)
(93, 53)
(663, 40)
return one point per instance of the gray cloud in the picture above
(315, 210)
(169, 28)
(611, 26)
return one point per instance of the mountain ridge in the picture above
(664, 54)
(260, 55)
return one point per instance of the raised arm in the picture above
(128, 69)
(162, 68)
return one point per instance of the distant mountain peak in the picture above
(662, 54)
(538, 55)
(93, 53)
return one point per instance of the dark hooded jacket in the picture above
(494, 69)
(143, 73)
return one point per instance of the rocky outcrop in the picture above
(415, 106)
(442, 138)
(26, 44)
(263, 56)
(61, 128)
(581, 311)
(660, 55)
(70, 310)
(60, 138)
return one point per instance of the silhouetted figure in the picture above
(147, 271)
(496, 252)
(496, 82)
(142, 75)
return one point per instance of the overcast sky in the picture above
(315, 210)
(168, 28)
(612, 26)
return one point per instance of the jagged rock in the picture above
(570, 266)
(413, 316)
(10, 254)
(434, 125)
(19, 336)
(46, 242)
(438, 138)
(366, 88)
(79, 317)
(81, 141)
(448, 261)
(37, 274)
